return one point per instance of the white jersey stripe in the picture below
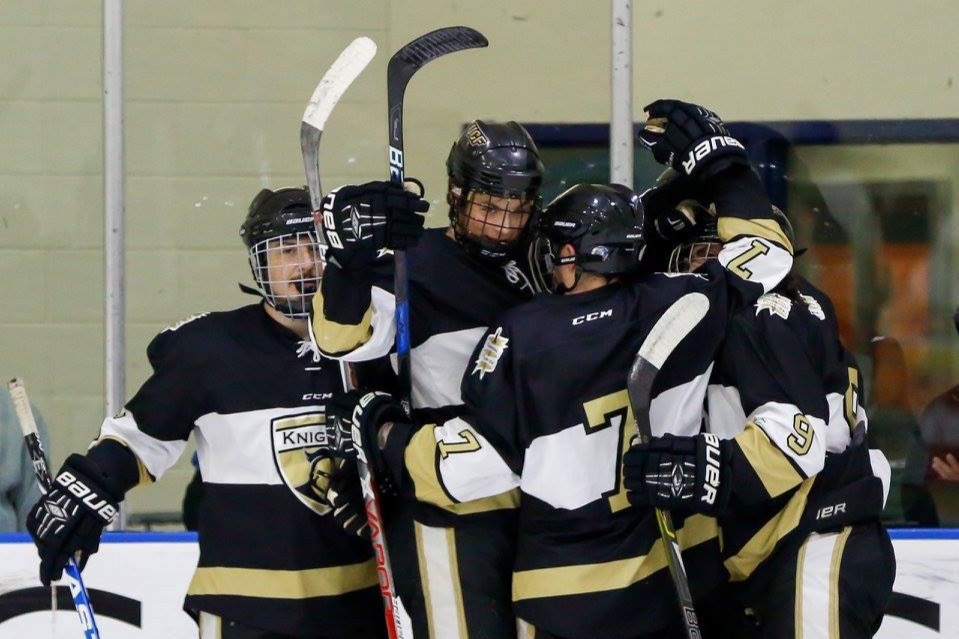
(436, 552)
(817, 585)
(439, 364)
(156, 455)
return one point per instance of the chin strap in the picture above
(249, 290)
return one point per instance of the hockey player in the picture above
(245, 382)
(547, 408)
(451, 565)
(797, 498)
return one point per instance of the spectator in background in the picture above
(939, 425)
(894, 430)
(18, 485)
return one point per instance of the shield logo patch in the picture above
(303, 452)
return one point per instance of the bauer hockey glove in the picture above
(346, 499)
(361, 220)
(691, 139)
(685, 473)
(673, 213)
(383, 429)
(70, 518)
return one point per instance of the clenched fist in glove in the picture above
(686, 473)
(360, 220)
(70, 518)
(691, 139)
(378, 424)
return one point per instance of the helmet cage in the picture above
(487, 228)
(280, 267)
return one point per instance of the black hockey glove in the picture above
(361, 220)
(673, 213)
(690, 139)
(71, 516)
(686, 473)
(379, 426)
(346, 498)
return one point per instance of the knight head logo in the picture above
(303, 451)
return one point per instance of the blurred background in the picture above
(848, 110)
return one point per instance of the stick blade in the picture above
(670, 329)
(341, 74)
(434, 44)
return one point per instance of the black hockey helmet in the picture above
(496, 158)
(499, 161)
(604, 223)
(275, 220)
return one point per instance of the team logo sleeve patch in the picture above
(492, 350)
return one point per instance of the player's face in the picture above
(700, 253)
(294, 265)
(498, 219)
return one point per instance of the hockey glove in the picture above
(69, 519)
(346, 498)
(380, 431)
(361, 220)
(686, 473)
(672, 212)
(690, 139)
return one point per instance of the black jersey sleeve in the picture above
(780, 386)
(352, 314)
(156, 423)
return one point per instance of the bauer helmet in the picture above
(603, 223)
(285, 252)
(494, 174)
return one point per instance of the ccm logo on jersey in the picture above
(711, 487)
(830, 511)
(309, 396)
(706, 147)
(80, 490)
(592, 317)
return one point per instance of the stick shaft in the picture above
(28, 426)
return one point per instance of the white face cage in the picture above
(287, 271)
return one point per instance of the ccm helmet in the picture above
(603, 223)
(278, 220)
(494, 175)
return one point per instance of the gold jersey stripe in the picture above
(834, 564)
(609, 575)
(422, 465)
(768, 229)
(334, 338)
(770, 464)
(144, 477)
(761, 545)
(283, 584)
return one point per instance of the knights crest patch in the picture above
(303, 452)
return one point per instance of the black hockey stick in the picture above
(675, 324)
(400, 70)
(28, 426)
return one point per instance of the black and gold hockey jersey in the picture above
(253, 395)
(451, 564)
(791, 398)
(548, 412)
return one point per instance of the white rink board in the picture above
(155, 569)
(152, 572)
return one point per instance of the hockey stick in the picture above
(81, 600)
(341, 74)
(400, 70)
(337, 79)
(674, 325)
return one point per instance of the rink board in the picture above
(139, 580)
